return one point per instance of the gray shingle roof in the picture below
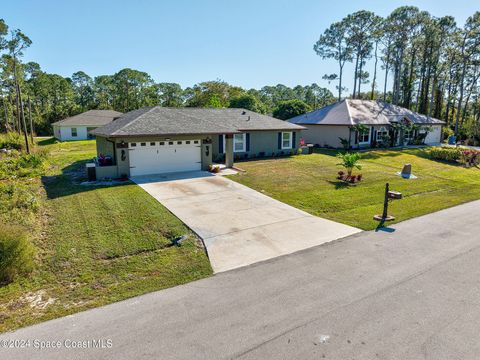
(91, 117)
(369, 112)
(182, 121)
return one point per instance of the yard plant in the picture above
(446, 153)
(350, 162)
(11, 141)
(468, 157)
(16, 253)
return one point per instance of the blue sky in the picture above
(247, 43)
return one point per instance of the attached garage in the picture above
(434, 137)
(156, 157)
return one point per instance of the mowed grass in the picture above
(97, 245)
(308, 182)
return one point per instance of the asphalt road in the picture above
(412, 292)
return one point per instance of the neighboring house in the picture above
(384, 124)
(157, 140)
(78, 127)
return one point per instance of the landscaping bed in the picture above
(93, 244)
(309, 182)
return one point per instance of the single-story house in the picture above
(155, 140)
(368, 123)
(78, 127)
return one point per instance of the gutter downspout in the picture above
(114, 150)
(351, 125)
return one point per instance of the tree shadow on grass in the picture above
(71, 179)
(340, 184)
(367, 154)
(375, 154)
(327, 152)
(49, 141)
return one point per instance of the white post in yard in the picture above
(229, 150)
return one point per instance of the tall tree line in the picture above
(31, 99)
(430, 65)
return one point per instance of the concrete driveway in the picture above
(238, 225)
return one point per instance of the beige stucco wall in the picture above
(326, 135)
(103, 172)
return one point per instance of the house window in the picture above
(170, 143)
(195, 142)
(239, 143)
(74, 132)
(187, 142)
(179, 143)
(382, 133)
(152, 143)
(409, 135)
(161, 143)
(364, 138)
(143, 144)
(133, 144)
(286, 140)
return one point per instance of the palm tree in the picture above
(349, 162)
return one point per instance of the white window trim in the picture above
(365, 133)
(244, 149)
(379, 131)
(411, 134)
(76, 132)
(290, 140)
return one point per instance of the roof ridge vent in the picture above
(244, 112)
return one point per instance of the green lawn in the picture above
(308, 182)
(96, 245)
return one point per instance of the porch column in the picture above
(229, 150)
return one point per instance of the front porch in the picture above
(386, 136)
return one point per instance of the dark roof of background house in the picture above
(369, 112)
(182, 121)
(91, 117)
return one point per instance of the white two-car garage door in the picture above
(156, 157)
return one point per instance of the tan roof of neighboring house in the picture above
(369, 112)
(90, 118)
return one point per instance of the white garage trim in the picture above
(434, 137)
(157, 157)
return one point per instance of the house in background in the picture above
(383, 124)
(78, 127)
(155, 140)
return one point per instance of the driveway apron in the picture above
(238, 225)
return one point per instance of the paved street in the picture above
(411, 292)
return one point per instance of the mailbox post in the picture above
(389, 196)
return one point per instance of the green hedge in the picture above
(446, 154)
